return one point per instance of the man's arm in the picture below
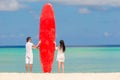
(34, 46)
(38, 44)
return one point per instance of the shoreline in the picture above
(60, 76)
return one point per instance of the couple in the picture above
(29, 54)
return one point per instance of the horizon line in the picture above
(22, 46)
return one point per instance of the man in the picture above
(29, 53)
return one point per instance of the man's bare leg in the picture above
(26, 68)
(31, 68)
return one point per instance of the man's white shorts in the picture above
(29, 59)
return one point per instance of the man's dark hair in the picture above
(28, 38)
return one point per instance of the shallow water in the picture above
(78, 59)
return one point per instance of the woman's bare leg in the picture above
(63, 67)
(58, 67)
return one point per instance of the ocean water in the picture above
(77, 60)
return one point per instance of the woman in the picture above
(61, 55)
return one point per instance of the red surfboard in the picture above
(47, 37)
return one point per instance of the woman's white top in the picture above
(60, 55)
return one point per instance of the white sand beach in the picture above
(59, 76)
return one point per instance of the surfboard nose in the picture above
(48, 9)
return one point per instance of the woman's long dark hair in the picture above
(62, 45)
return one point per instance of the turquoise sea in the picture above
(78, 60)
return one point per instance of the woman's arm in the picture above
(55, 45)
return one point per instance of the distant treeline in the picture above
(23, 46)
(93, 45)
(14, 46)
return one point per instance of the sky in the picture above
(78, 22)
